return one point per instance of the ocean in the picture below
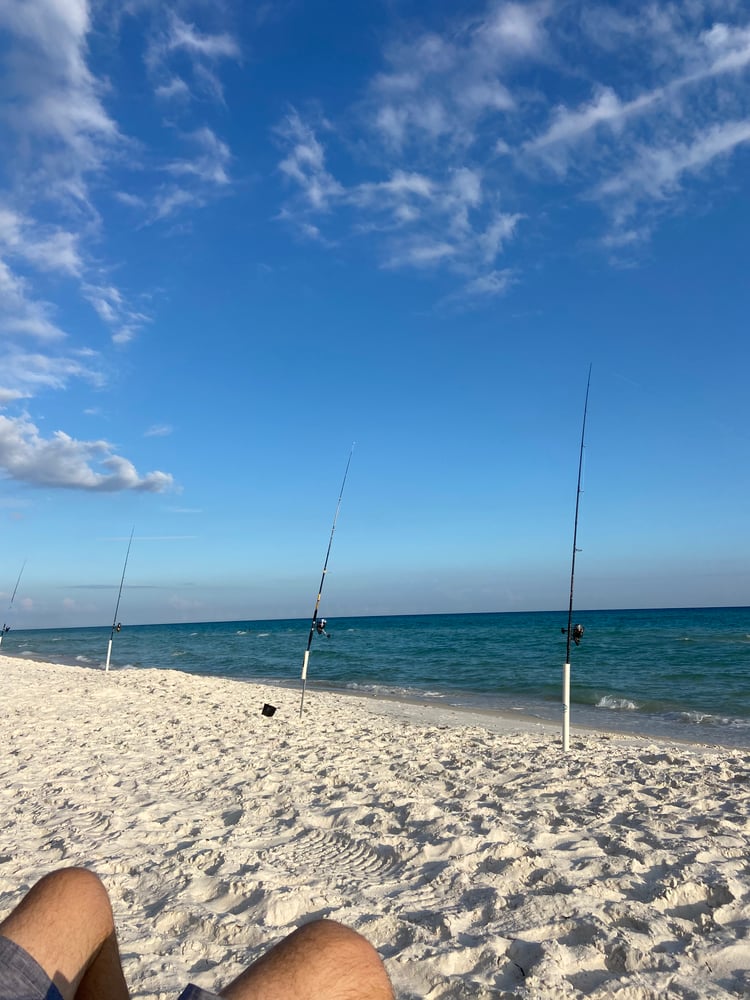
(675, 673)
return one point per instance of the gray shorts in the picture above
(23, 978)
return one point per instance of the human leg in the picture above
(65, 923)
(322, 960)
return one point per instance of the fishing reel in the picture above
(576, 633)
(320, 627)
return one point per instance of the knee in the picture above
(347, 950)
(78, 889)
(331, 934)
(75, 880)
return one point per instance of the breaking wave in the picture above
(617, 704)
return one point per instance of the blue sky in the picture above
(236, 238)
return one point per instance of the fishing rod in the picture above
(115, 624)
(319, 624)
(6, 627)
(574, 632)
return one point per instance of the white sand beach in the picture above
(480, 860)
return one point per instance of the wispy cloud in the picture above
(433, 201)
(492, 284)
(48, 248)
(65, 155)
(25, 373)
(59, 137)
(656, 172)
(210, 163)
(211, 46)
(110, 304)
(21, 314)
(605, 108)
(199, 175)
(11, 396)
(479, 109)
(304, 163)
(424, 222)
(633, 152)
(57, 133)
(178, 39)
(440, 86)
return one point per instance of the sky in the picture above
(238, 240)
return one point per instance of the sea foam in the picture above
(617, 704)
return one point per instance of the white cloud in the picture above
(202, 49)
(693, 104)
(59, 136)
(171, 200)
(431, 200)
(722, 49)
(605, 108)
(484, 95)
(27, 373)
(426, 221)
(107, 301)
(19, 314)
(461, 99)
(130, 199)
(404, 199)
(658, 171)
(11, 396)
(48, 248)
(59, 127)
(159, 430)
(182, 35)
(421, 254)
(439, 87)
(719, 51)
(114, 309)
(173, 88)
(515, 29)
(199, 175)
(500, 229)
(63, 462)
(210, 166)
(625, 238)
(305, 162)
(490, 285)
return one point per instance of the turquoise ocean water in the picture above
(677, 673)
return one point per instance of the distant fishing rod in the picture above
(319, 624)
(574, 632)
(6, 627)
(115, 624)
